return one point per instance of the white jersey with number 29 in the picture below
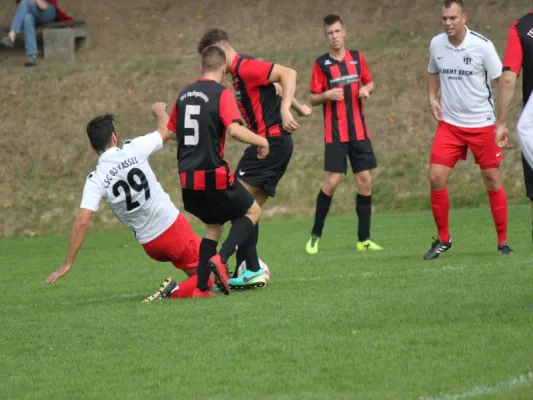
(465, 75)
(125, 180)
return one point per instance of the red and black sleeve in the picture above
(171, 125)
(227, 109)
(318, 80)
(366, 76)
(513, 51)
(255, 72)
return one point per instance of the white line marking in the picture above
(526, 379)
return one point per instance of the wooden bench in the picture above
(62, 39)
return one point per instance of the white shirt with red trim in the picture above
(465, 75)
(125, 180)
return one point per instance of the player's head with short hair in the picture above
(101, 133)
(453, 18)
(213, 61)
(334, 31)
(213, 36)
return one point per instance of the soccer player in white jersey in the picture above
(125, 180)
(464, 63)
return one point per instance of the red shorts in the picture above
(179, 244)
(452, 142)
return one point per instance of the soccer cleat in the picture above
(220, 271)
(368, 245)
(437, 248)
(197, 293)
(164, 291)
(504, 250)
(312, 245)
(249, 280)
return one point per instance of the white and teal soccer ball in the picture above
(263, 265)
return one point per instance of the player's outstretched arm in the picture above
(244, 135)
(160, 112)
(303, 110)
(77, 236)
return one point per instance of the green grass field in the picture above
(339, 325)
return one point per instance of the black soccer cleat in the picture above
(504, 250)
(437, 248)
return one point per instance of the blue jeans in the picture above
(28, 15)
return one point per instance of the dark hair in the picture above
(331, 19)
(448, 3)
(211, 37)
(100, 130)
(213, 58)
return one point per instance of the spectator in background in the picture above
(28, 15)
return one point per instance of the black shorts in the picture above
(266, 173)
(360, 153)
(218, 206)
(528, 178)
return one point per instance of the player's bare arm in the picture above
(160, 112)
(334, 94)
(77, 236)
(434, 103)
(244, 135)
(303, 110)
(505, 94)
(364, 91)
(287, 78)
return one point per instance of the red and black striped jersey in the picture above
(256, 96)
(519, 52)
(200, 117)
(344, 120)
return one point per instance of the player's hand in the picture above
(65, 267)
(304, 111)
(364, 93)
(502, 136)
(263, 150)
(436, 110)
(288, 121)
(159, 109)
(334, 94)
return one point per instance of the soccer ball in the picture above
(262, 264)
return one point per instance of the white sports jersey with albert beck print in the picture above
(125, 180)
(465, 75)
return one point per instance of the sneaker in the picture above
(249, 280)
(504, 250)
(197, 293)
(220, 271)
(312, 245)
(6, 41)
(437, 248)
(31, 61)
(368, 244)
(164, 291)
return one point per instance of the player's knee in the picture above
(213, 232)
(330, 183)
(491, 178)
(364, 182)
(437, 180)
(254, 212)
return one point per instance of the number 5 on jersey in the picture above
(192, 123)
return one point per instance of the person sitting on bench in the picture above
(29, 14)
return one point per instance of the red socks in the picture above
(440, 205)
(498, 206)
(185, 288)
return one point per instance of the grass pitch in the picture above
(338, 325)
